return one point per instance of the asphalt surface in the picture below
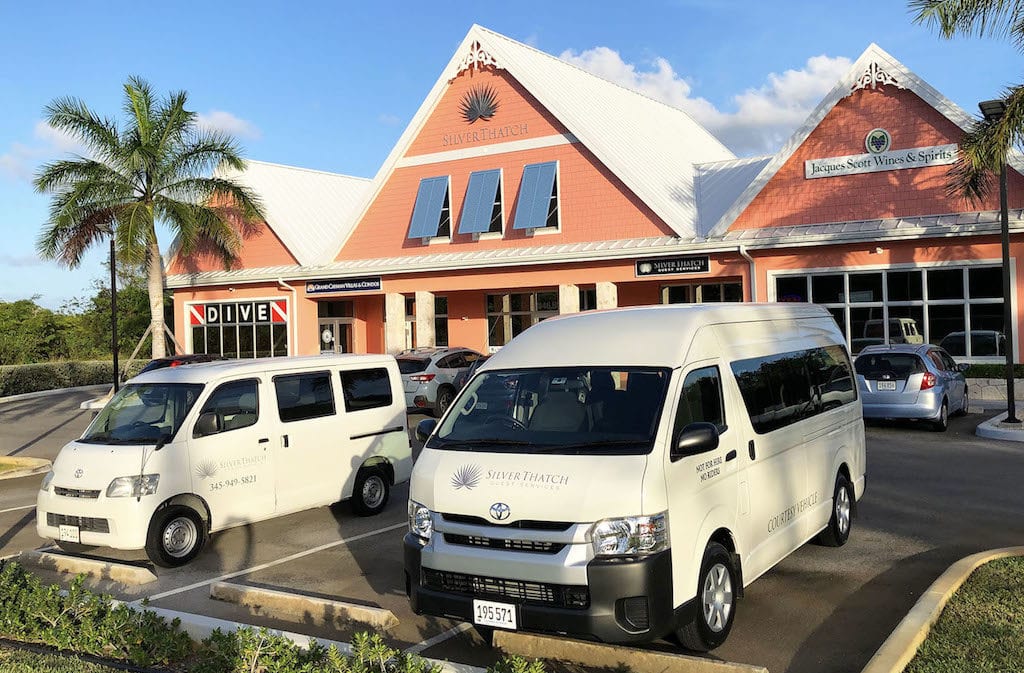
(931, 499)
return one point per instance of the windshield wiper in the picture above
(449, 443)
(554, 448)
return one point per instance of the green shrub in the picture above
(20, 379)
(992, 371)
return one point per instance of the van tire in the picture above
(445, 396)
(837, 532)
(371, 491)
(715, 607)
(941, 424)
(176, 536)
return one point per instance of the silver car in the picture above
(915, 381)
(428, 375)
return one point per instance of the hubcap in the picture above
(843, 510)
(717, 597)
(180, 536)
(373, 492)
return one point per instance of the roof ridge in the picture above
(307, 170)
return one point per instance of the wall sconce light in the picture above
(878, 251)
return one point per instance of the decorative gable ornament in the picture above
(875, 76)
(477, 59)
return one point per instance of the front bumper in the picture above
(119, 523)
(627, 600)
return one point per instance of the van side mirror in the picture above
(424, 428)
(695, 438)
(208, 424)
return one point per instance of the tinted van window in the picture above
(302, 396)
(366, 389)
(236, 405)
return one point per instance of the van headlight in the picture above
(421, 520)
(134, 487)
(45, 486)
(631, 535)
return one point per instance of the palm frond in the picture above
(72, 116)
(994, 18)
(984, 147)
(138, 106)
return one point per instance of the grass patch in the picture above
(982, 627)
(22, 661)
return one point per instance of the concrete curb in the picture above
(31, 466)
(55, 391)
(298, 607)
(900, 647)
(107, 570)
(994, 428)
(611, 656)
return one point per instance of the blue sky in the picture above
(331, 85)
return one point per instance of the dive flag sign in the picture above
(238, 312)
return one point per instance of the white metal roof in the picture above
(719, 184)
(308, 210)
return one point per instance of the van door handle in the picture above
(264, 440)
(750, 450)
(730, 456)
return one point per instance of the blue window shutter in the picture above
(535, 195)
(426, 214)
(479, 204)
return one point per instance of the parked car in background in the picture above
(178, 360)
(463, 378)
(429, 376)
(901, 331)
(984, 343)
(911, 381)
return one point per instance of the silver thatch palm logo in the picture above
(480, 102)
(206, 469)
(467, 476)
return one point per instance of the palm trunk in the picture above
(155, 285)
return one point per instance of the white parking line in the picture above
(16, 509)
(439, 638)
(271, 564)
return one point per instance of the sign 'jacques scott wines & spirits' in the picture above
(894, 160)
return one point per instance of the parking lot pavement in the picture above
(37, 427)
(931, 499)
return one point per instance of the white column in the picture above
(607, 295)
(394, 323)
(568, 299)
(425, 319)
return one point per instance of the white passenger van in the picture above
(181, 452)
(622, 475)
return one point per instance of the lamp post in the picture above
(992, 111)
(113, 311)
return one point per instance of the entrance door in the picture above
(335, 335)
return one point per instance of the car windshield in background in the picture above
(412, 365)
(876, 366)
(143, 413)
(573, 410)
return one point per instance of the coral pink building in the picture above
(525, 187)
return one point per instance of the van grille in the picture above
(538, 593)
(502, 543)
(75, 492)
(84, 523)
(525, 524)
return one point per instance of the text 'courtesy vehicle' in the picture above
(181, 452)
(622, 475)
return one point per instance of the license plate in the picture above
(69, 534)
(887, 385)
(501, 615)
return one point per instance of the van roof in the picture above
(637, 336)
(208, 371)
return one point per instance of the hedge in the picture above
(20, 379)
(79, 620)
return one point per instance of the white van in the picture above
(622, 475)
(181, 452)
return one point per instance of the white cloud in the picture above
(225, 122)
(388, 119)
(21, 261)
(21, 160)
(763, 117)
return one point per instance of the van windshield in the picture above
(143, 413)
(570, 410)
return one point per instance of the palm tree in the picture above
(159, 167)
(986, 144)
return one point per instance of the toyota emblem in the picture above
(500, 511)
(78, 473)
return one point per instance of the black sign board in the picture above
(670, 265)
(332, 285)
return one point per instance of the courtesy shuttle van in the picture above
(179, 453)
(622, 475)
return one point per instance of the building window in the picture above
(441, 321)
(702, 293)
(588, 299)
(482, 210)
(510, 314)
(335, 309)
(410, 322)
(431, 216)
(538, 207)
(938, 305)
(248, 329)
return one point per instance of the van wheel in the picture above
(176, 536)
(444, 400)
(715, 610)
(371, 491)
(941, 424)
(837, 532)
